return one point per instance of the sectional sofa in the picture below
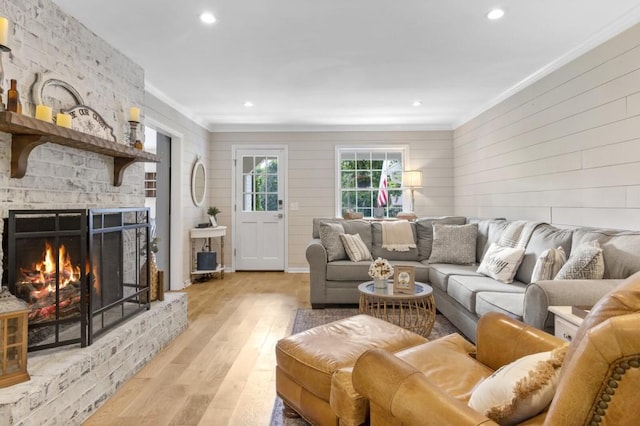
(462, 293)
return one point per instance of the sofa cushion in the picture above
(510, 304)
(454, 244)
(585, 263)
(346, 270)
(439, 273)
(549, 264)
(422, 270)
(330, 238)
(482, 242)
(318, 220)
(424, 229)
(447, 363)
(378, 251)
(356, 248)
(543, 237)
(501, 263)
(619, 248)
(362, 228)
(464, 289)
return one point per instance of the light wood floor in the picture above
(221, 370)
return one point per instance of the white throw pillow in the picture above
(519, 390)
(586, 262)
(501, 263)
(356, 249)
(548, 264)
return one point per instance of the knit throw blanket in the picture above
(518, 233)
(397, 236)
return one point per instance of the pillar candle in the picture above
(43, 113)
(4, 30)
(134, 114)
(63, 120)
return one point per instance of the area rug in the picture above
(309, 318)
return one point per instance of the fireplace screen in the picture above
(80, 273)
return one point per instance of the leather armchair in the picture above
(598, 380)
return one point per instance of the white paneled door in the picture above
(259, 236)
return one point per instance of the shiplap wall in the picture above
(565, 150)
(311, 175)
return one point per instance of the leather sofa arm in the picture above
(501, 339)
(542, 294)
(403, 392)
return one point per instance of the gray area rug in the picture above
(308, 318)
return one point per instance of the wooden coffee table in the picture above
(415, 312)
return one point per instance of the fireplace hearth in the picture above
(81, 272)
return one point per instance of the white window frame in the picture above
(401, 148)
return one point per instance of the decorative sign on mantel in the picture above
(83, 118)
(87, 120)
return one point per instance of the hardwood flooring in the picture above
(221, 370)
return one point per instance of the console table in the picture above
(208, 234)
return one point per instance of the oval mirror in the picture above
(198, 183)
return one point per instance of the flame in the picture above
(47, 268)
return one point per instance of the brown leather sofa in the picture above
(431, 383)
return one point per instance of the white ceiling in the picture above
(346, 64)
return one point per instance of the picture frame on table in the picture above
(404, 279)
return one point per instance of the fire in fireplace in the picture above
(81, 272)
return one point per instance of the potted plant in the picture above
(212, 212)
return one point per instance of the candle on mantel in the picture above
(134, 114)
(44, 113)
(4, 30)
(63, 120)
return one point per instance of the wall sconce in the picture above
(134, 121)
(412, 179)
(13, 339)
(4, 36)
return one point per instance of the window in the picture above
(360, 180)
(260, 183)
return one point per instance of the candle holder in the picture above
(133, 135)
(3, 49)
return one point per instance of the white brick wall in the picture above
(43, 39)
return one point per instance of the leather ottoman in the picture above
(306, 362)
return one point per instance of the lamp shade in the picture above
(412, 178)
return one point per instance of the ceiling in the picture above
(346, 64)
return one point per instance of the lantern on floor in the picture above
(13, 339)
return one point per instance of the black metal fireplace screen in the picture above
(81, 272)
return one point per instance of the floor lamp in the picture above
(412, 179)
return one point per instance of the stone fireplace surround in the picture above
(68, 384)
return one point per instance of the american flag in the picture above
(383, 196)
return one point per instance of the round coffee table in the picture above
(415, 312)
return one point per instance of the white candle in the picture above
(4, 30)
(44, 113)
(134, 114)
(63, 120)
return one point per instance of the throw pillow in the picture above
(519, 390)
(356, 248)
(548, 264)
(501, 263)
(586, 262)
(454, 244)
(330, 239)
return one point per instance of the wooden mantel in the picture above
(29, 132)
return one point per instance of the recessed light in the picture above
(417, 103)
(248, 104)
(207, 18)
(495, 14)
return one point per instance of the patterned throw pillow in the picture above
(356, 248)
(586, 262)
(501, 263)
(548, 264)
(454, 244)
(330, 238)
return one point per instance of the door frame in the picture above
(285, 198)
(176, 233)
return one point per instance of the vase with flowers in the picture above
(380, 270)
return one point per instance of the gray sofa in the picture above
(461, 293)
